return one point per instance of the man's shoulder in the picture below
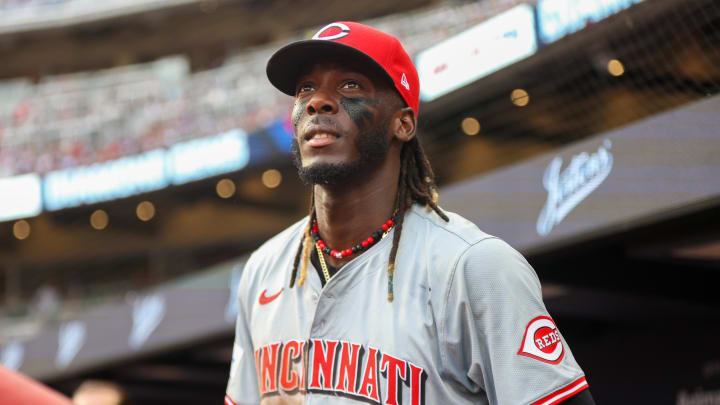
(459, 242)
(457, 231)
(279, 245)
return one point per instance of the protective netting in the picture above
(668, 59)
(651, 57)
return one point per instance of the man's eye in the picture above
(351, 84)
(304, 87)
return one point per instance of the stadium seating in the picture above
(87, 117)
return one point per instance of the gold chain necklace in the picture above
(325, 271)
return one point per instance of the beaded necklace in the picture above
(322, 247)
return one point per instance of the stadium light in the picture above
(225, 188)
(21, 229)
(615, 67)
(99, 220)
(271, 178)
(470, 126)
(145, 211)
(520, 97)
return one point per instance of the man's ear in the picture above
(404, 124)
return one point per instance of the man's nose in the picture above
(321, 103)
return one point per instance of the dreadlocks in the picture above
(415, 185)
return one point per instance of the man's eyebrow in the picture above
(356, 72)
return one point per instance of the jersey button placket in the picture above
(318, 326)
(323, 305)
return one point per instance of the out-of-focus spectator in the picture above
(17, 389)
(96, 392)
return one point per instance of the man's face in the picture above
(341, 119)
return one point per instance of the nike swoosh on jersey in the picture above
(264, 299)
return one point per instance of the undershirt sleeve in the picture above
(582, 398)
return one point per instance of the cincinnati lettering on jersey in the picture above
(338, 368)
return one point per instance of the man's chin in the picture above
(329, 173)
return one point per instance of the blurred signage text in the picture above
(207, 157)
(568, 188)
(71, 338)
(105, 181)
(153, 170)
(558, 18)
(11, 356)
(477, 52)
(148, 312)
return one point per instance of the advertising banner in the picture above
(187, 310)
(477, 52)
(641, 172)
(558, 18)
(181, 163)
(20, 197)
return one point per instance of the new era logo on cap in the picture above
(404, 82)
(346, 38)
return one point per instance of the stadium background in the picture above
(143, 155)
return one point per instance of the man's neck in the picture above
(349, 214)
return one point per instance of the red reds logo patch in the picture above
(332, 31)
(542, 341)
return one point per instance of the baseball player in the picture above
(379, 295)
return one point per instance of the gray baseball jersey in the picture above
(467, 325)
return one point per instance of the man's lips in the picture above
(318, 138)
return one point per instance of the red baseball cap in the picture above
(345, 37)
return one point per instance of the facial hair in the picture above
(372, 147)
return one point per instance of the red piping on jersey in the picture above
(563, 393)
(229, 401)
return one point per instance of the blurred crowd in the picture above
(30, 7)
(84, 118)
(19, 4)
(79, 119)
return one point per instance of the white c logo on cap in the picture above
(345, 30)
